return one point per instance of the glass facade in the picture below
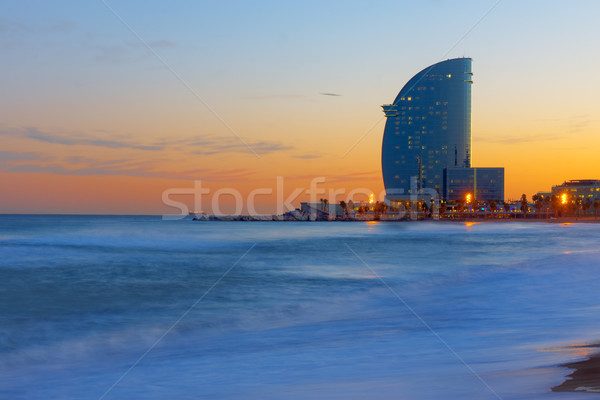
(428, 128)
(484, 184)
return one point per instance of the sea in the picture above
(134, 307)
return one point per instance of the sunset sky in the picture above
(105, 105)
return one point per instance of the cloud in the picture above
(348, 177)
(20, 28)
(281, 96)
(516, 139)
(330, 94)
(145, 169)
(209, 145)
(82, 140)
(13, 156)
(578, 122)
(197, 145)
(307, 156)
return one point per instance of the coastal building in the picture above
(428, 128)
(427, 139)
(483, 184)
(578, 189)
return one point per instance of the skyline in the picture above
(93, 121)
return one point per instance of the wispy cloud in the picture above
(197, 145)
(578, 123)
(278, 96)
(146, 169)
(345, 177)
(212, 145)
(517, 139)
(20, 27)
(13, 156)
(83, 140)
(306, 156)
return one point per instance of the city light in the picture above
(371, 198)
(563, 198)
(468, 198)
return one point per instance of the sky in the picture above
(107, 106)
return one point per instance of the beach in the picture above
(585, 377)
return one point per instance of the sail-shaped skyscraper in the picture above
(428, 130)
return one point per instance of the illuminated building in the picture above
(578, 189)
(428, 128)
(484, 183)
(427, 138)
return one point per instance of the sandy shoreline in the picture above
(585, 378)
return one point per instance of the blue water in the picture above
(319, 310)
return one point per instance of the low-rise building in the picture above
(483, 184)
(578, 189)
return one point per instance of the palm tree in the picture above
(524, 205)
(538, 205)
(344, 208)
(547, 203)
(492, 205)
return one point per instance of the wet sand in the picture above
(585, 378)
